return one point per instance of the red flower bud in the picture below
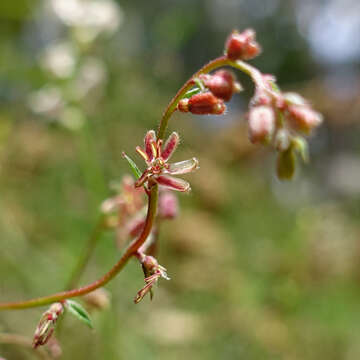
(242, 46)
(222, 84)
(261, 124)
(304, 118)
(206, 103)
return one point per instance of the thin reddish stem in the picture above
(131, 250)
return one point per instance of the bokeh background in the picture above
(260, 269)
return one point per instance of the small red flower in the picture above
(159, 170)
(304, 118)
(261, 124)
(222, 84)
(205, 103)
(242, 46)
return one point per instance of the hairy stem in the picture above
(129, 252)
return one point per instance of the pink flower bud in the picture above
(242, 46)
(206, 103)
(261, 124)
(222, 84)
(47, 324)
(304, 118)
(261, 97)
(168, 205)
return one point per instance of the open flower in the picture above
(159, 170)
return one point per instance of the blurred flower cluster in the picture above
(75, 74)
(126, 212)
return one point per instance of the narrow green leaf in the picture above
(191, 92)
(133, 166)
(79, 312)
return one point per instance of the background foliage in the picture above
(260, 269)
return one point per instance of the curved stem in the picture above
(171, 108)
(15, 339)
(212, 65)
(131, 250)
(153, 195)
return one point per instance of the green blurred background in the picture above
(259, 269)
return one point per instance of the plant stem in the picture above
(15, 339)
(129, 252)
(171, 108)
(86, 254)
(212, 65)
(153, 198)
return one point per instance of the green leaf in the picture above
(133, 166)
(79, 312)
(191, 92)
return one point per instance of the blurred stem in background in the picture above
(86, 254)
(90, 166)
(15, 339)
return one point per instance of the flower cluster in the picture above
(214, 89)
(158, 169)
(242, 46)
(152, 272)
(47, 324)
(281, 120)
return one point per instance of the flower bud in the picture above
(222, 84)
(282, 140)
(168, 205)
(47, 324)
(261, 124)
(242, 46)
(261, 97)
(206, 103)
(304, 118)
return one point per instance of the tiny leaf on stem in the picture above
(133, 166)
(191, 92)
(79, 312)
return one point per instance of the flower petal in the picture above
(183, 167)
(149, 141)
(173, 183)
(170, 146)
(143, 154)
